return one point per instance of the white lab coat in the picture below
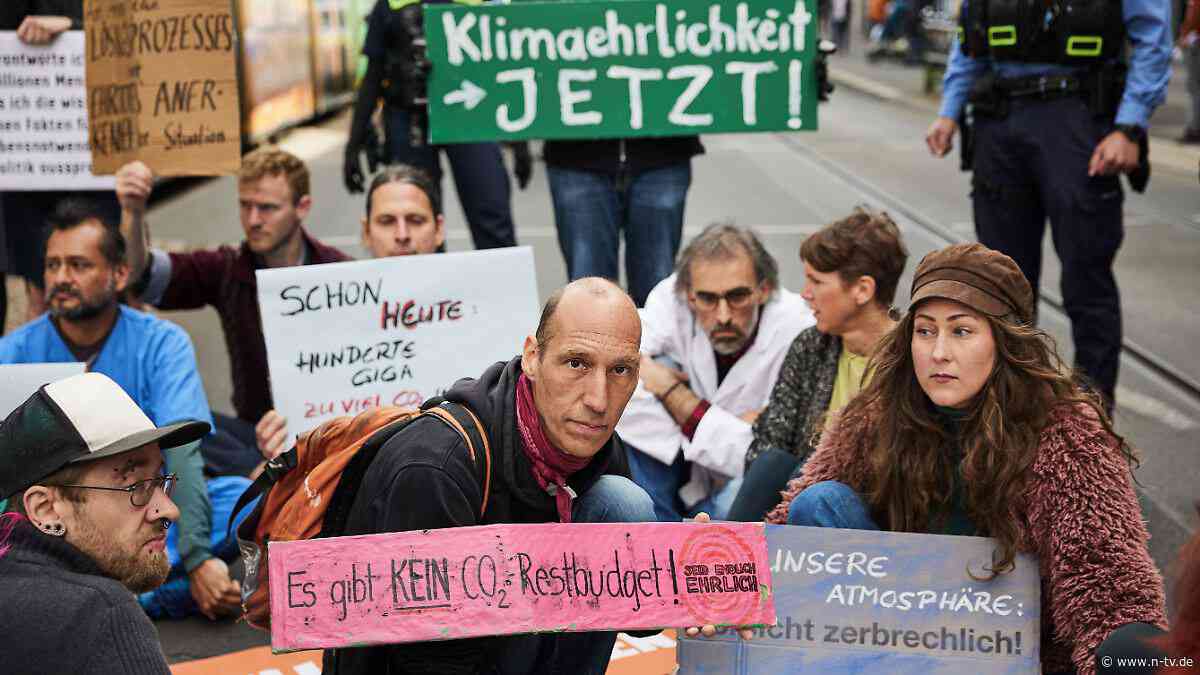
(718, 447)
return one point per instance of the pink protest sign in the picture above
(506, 579)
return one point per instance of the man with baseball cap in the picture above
(83, 468)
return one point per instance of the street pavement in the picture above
(869, 150)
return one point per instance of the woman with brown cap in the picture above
(971, 425)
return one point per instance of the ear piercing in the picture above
(53, 529)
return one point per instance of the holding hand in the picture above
(709, 630)
(41, 30)
(214, 592)
(135, 182)
(270, 433)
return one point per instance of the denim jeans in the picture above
(662, 483)
(612, 499)
(762, 483)
(174, 598)
(591, 210)
(479, 177)
(831, 504)
(232, 449)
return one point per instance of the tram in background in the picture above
(298, 59)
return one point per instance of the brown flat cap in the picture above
(984, 280)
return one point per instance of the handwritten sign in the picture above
(18, 381)
(616, 68)
(853, 601)
(43, 116)
(347, 337)
(507, 579)
(162, 85)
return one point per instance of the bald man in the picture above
(549, 414)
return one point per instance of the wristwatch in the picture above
(1133, 132)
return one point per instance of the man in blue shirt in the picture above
(1056, 120)
(154, 362)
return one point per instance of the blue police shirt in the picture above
(1148, 26)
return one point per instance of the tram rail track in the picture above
(1161, 367)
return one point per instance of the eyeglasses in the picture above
(737, 298)
(141, 491)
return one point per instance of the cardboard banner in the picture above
(508, 579)
(346, 337)
(617, 68)
(852, 601)
(43, 116)
(18, 381)
(162, 86)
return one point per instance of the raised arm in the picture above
(135, 182)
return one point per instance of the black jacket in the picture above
(13, 12)
(604, 156)
(59, 614)
(423, 478)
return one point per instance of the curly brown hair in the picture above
(912, 477)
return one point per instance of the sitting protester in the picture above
(154, 362)
(83, 466)
(723, 321)
(274, 199)
(851, 270)
(549, 415)
(970, 425)
(404, 217)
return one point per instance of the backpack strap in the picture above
(342, 499)
(271, 473)
(463, 420)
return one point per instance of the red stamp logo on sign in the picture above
(720, 576)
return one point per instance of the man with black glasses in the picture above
(714, 335)
(83, 466)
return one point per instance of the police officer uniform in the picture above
(1047, 82)
(396, 72)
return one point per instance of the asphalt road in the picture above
(786, 186)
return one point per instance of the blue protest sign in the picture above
(852, 601)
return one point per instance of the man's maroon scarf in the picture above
(551, 466)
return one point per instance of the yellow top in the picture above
(849, 380)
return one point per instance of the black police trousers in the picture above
(1033, 165)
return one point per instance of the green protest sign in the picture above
(618, 68)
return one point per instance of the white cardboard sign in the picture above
(343, 338)
(43, 116)
(19, 381)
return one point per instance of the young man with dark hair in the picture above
(151, 359)
(84, 468)
(404, 217)
(274, 196)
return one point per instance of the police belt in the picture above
(1043, 87)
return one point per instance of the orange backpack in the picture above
(307, 491)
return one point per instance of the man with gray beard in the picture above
(154, 362)
(92, 507)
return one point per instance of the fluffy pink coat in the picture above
(1081, 519)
